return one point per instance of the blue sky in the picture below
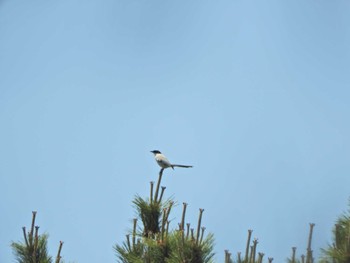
(254, 94)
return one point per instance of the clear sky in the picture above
(254, 94)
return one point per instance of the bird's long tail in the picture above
(180, 165)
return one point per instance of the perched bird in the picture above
(164, 162)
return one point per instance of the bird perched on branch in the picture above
(164, 162)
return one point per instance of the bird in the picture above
(164, 162)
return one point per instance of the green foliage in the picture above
(154, 243)
(339, 251)
(30, 254)
(175, 248)
(34, 247)
(147, 250)
(149, 214)
(188, 250)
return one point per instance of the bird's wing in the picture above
(163, 160)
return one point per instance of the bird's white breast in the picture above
(162, 160)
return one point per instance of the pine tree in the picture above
(34, 247)
(339, 251)
(154, 242)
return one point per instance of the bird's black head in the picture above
(155, 151)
